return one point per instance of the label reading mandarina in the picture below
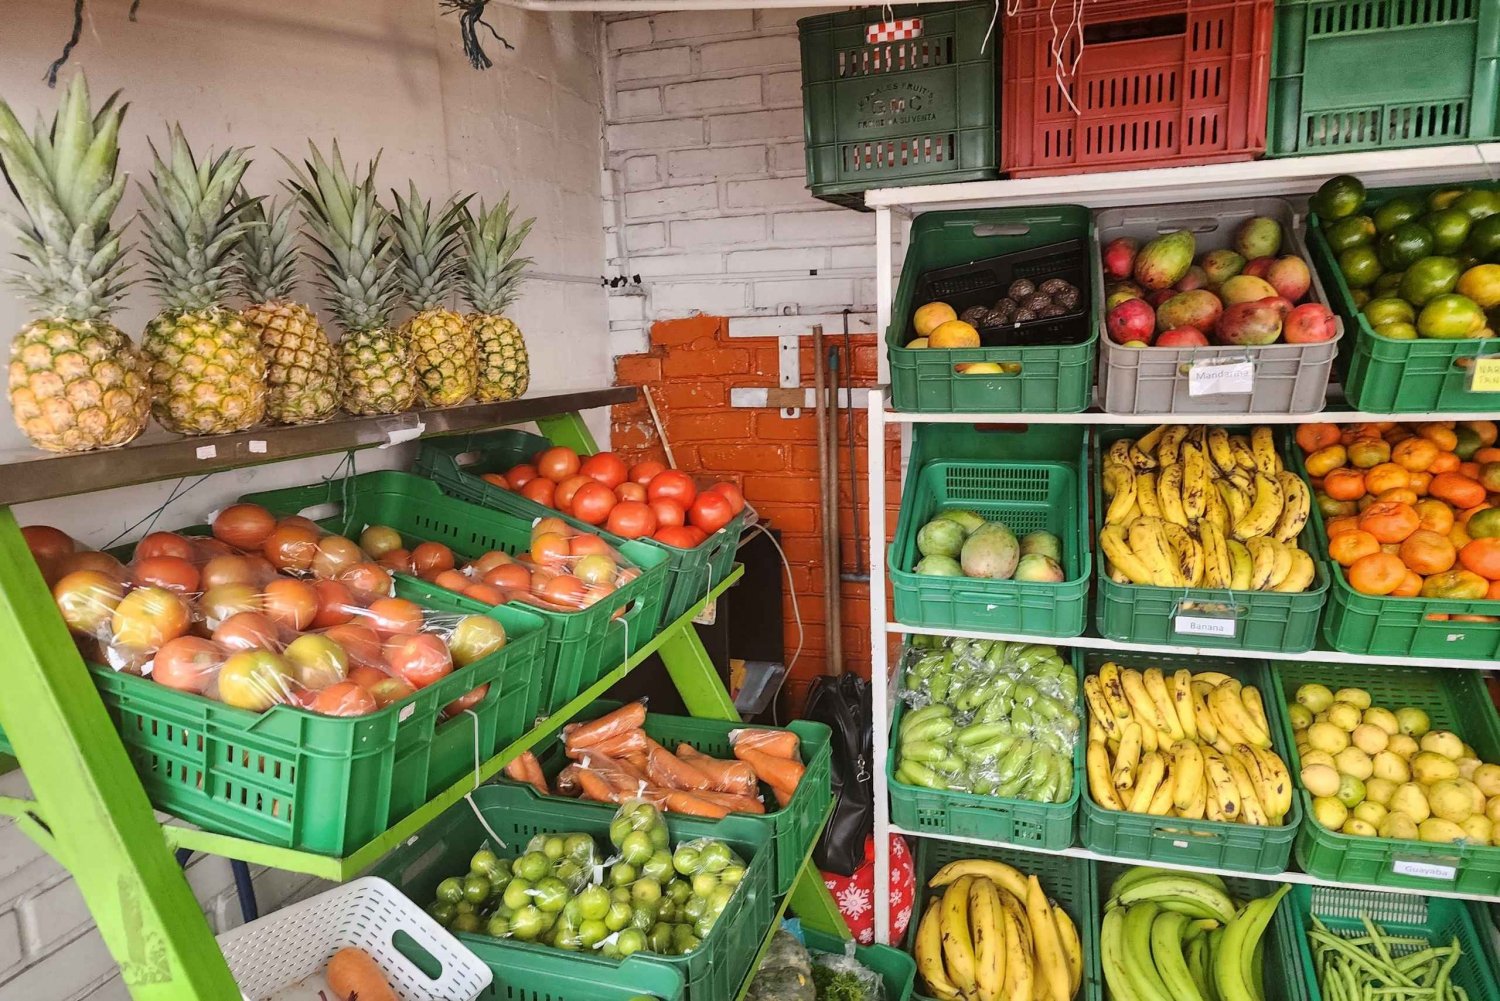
(895, 104)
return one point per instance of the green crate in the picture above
(794, 826)
(1398, 627)
(1264, 620)
(896, 968)
(1437, 919)
(1282, 944)
(1385, 375)
(1334, 88)
(1002, 820)
(1027, 494)
(919, 111)
(457, 466)
(1485, 918)
(712, 972)
(1040, 379)
(1213, 844)
(581, 646)
(554, 975)
(1069, 882)
(1453, 700)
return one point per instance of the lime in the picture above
(1429, 278)
(1350, 231)
(1449, 229)
(498, 927)
(1443, 198)
(1388, 310)
(1484, 239)
(1396, 211)
(517, 894)
(442, 912)
(1482, 284)
(1339, 196)
(618, 916)
(1478, 203)
(550, 895)
(593, 902)
(467, 924)
(630, 942)
(1404, 245)
(532, 866)
(485, 862)
(476, 888)
(1469, 442)
(451, 890)
(1484, 524)
(1397, 330)
(1386, 284)
(1450, 317)
(1360, 265)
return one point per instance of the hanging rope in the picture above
(471, 18)
(67, 51)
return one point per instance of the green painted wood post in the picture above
(568, 430)
(103, 829)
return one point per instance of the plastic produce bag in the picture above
(775, 757)
(565, 569)
(785, 973)
(841, 977)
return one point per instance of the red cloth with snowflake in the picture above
(854, 894)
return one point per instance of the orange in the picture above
(1469, 469)
(1483, 523)
(1377, 573)
(1347, 547)
(1485, 431)
(1366, 453)
(1311, 437)
(1464, 585)
(1428, 552)
(1344, 484)
(1387, 476)
(1420, 482)
(1410, 586)
(1435, 514)
(1326, 460)
(1487, 454)
(1415, 454)
(1329, 507)
(1457, 489)
(1482, 557)
(1493, 594)
(1389, 521)
(1446, 462)
(1398, 495)
(1347, 523)
(1443, 437)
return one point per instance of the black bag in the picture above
(843, 703)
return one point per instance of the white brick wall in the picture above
(704, 140)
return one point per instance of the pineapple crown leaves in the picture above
(428, 265)
(268, 251)
(66, 180)
(194, 224)
(492, 271)
(347, 225)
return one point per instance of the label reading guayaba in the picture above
(1221, 379)
(1484, 376)
(1426, 870)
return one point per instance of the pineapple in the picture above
(76, 382)
(442, 345)
(207, 373)
(354, 259)
(492, 276)
(302, 368)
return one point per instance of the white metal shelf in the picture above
(1288, 876)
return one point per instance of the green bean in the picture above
(1416, 959)
(1357, 957)
(1405, 992)
(1385, 954)
(1447, 968)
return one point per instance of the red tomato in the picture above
(731, 493)
(710, 512)
(487, 593)
(541, 490)
(588, 544)
(466, 701)
(362, 644)
(244, 526)
(669, 513)
(430, 559)
(593, 502)
(557, 463)
(644, 472)
(291, 547)
(188, 663)
(367, 580)
(606, 467)
(631, 519)
(453, 580)
(673, 484)
(495, 480)
(44, 541)
(334, 554)
(698, 534)
(567, 490)
(678, 536)
(163, 544)
(550, 549)
(565, 590)
(398, 560)
(519, 476)
(343, 699)
(629, 491)
(392, 616)
(166, 571)
(291, 604)
(229, 570)
(510, 575)
(335, 604)
(489, 561)
(420, 660)
(247, 631)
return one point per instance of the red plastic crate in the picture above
(1158, 83)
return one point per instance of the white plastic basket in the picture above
(281, 957)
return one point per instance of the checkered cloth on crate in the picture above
(894, 31)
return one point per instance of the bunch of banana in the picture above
(991, 934)
(1193, 746)
(1199, 507)
(1179, 936)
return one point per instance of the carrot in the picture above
(778, 773)
(778, 743)
(727, 776)
(525, 768)
(567, 781)
(679, 801)
(353, 973)
(595, 787)
(736, 804)
(637, 761)
(631, 716)
(666, 769)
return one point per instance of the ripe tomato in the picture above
(549, 549)
(367, 581)
(540, 490)
(149, 616)
(167, 571)
(188, 663)
(495, 480)
(669, 513)
(557, 463)
(589, 544)
(247, 631)
(507, 576)
(466, 701)
(229, 570)
(551, 524)
(673, 484)
(631, 519)
(710, 512)
(629, 491)
(567, 490)
(163, 544)
(91, 560)
(606, 467)
(644, 472)
(520, 475)
(291, 547)
(393, 616)
(362, 644)
(490, 560)
(420, 660)
(87, 600)
(377, 540)
(430, 559)
(677, 536)
(398, 560)
(291, 604)
(699, 535)
(255, 680)
(731, 493)
(335, 604)
(487, 593)
(564, 590)
(453, 580)
(388, 691)
(334, 554)
(244, 526)
(219, 603)
(46, 541)
(344, 699)
(593, 502)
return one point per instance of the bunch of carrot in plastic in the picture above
(611, 760)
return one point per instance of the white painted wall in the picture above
(377, 74)
(707, 199)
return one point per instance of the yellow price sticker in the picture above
(1485, 377)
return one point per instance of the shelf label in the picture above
(257, 446)
(1221, 378)
(1204, 625)
(1484, 375)
(207, 452)
(1426, 870)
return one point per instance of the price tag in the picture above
(1484, 375)
(709, 615)
(206, 452)
(1231, 379)
(1426, 870)
(257, 446)
(1204, 625)
(405, 713)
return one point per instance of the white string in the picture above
(991, 29)
(1059, 44)
(469, 796)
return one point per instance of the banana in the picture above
(1230, 710)
(1234, 499)
(986, 921)
(1166, 711)
(1295, 512)
(1262, 781)
(1195, 481)
(1051, 962)
(1113, 958)
(1119, 452)
(1136, 875)
(1141, 459)
(1208, 731)
(1262, 561)
(1148, 540)
(1096, 734)
(1148, 441)
(929, 953)
(1167, 956)
(1213, 679)
(1114, 694)
(1182, 703)
(1244, 456)
(1121, 557)
(1099, 710)
(1250, 697)
(1264, 510)
(958, 942)
(1142, 705)
(1007, 878)
(1215, 509)
(1196, 807)
(1241, 565)
(1019, 949)
(1211, 809)
(1187, 771)
(1161, 802)
(1188, 552)
(1101, 782)
(1067, 934)
(1140, 970)
(1119, 482)
(1146, 496)
(1218, 571)
(1283, 567)
(1198, 965)
(1169, 448)
(1233, 961)
(1263, 446)
(1224, 795)
(1252, 811)
(1300, 577)
(1169, 494)
(1148, 778)
(1127, 759)
(1277, 782)
(1219, 451)
(1196, 895)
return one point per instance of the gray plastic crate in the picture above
(1289, 378)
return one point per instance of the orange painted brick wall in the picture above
(691, 367)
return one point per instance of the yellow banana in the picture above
(1264, 510)
(1279, 780)
(1148, 778)
(1114, 694)
(1096, 732)
(1198, 806)
(1148, 541)
(1161, 803)
(1121, 557)
(1182, 702)
(1219, 451)
(1119, 451)
(1244, 456)
(1212, 679)
(1255, 708)
(1127, 757)
(1148, 441)
(1300, 577)
(986, 922)
(1067, 934)
(1251, 811)
(1234, 499)
(1006, 877)
(1208, 731)
(1235, 721)
(1262, 561)
(1241, 565)
(1146, 495)
(1169, 494)
(929, 953)
(1217, 569)
(1263, 447)
(1295, 511)
(1168, 449)
(1142, 706)
(1224, 795)
(1214, 507)
(1187, 552)
(1166, 710)
(1101, 783)
(1099, 711)
(1195, 481)
(1141, 459)
(1187, 771)
(1019, 949)
(1283, 566)
(958, 941)
(1120, 482)
(1051, 962)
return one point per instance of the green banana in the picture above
(1166, 954)
(1112, 956)
(1197, 961)
(1182, 893)
(1139, 968)
(1142, 873)
(1233, 973)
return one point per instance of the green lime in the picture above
(442, 912)
(1407, 243)
(1443, 198)
(1484, 239)
(1350, 231)
(476, 888)
(468, 924)
(1387, 310)
(1450, 317)
(451, 890)
(1449, 229)
(1386, 284)
(1429, 278)
(1469, 442)
(1397, 330)
(1396, 211)
(1339, 196)
(1360, 265)
(1478, 203)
